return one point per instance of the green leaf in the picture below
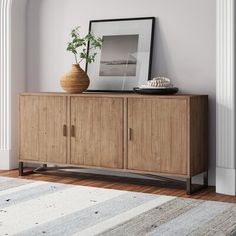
(78, 45)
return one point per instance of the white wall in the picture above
(184, 46)
(18, 70)
(12, 76)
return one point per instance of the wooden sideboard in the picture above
(156, 135)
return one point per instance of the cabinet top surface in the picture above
(110, 94)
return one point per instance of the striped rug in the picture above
(42, 208)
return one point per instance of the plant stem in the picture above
(81, 60)
(76, 59)
(91, 48)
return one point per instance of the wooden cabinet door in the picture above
(42, 128)
(97, 135)
(158, 135)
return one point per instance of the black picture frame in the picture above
(152, 19)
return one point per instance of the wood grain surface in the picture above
(139, 133)
(158, 139)
(98, 139)
(42, 131)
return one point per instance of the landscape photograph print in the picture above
(119, 55)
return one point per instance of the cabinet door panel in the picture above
(29, 122)
(42, 119)
(158, 141)
(98, 124)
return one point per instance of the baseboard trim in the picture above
(4, 159)
(8, 160)
(226, 181)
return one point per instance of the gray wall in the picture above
(184, 47)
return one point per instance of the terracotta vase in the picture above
(76, 80)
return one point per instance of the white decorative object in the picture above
(158, 82)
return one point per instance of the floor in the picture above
(121, 183)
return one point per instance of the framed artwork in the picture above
(125, 59)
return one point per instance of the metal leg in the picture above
(45, 166)
(21, 168)
(189, 186)
(205, 179)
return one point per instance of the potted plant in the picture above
(76, 80)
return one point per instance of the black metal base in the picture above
(21, 168)
(190, 187)
(22, 173)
